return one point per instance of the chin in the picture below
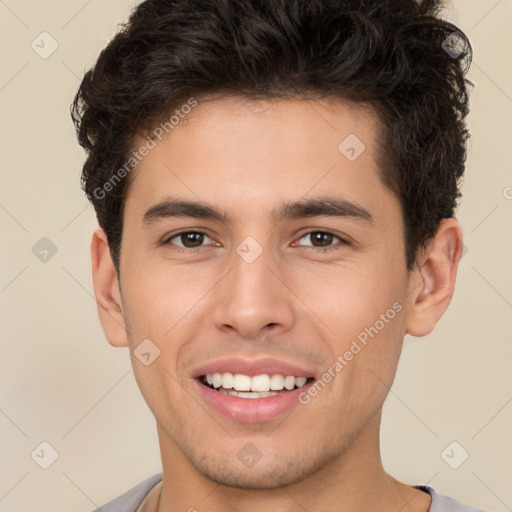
(253, 480)
(264, 474)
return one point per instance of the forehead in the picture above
(292, 128)
(255, 153)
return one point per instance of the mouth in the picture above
(253, 387)
(252, 390)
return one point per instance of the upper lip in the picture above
(252, 367)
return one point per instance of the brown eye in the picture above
(189, 239)
(321, 239)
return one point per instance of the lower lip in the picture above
(251, 410)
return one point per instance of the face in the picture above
(255, 246)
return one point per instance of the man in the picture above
(275, 184)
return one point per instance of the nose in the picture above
(254, 298)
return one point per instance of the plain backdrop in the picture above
(61, 383)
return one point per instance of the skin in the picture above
(294, 303)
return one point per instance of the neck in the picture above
(352, 481)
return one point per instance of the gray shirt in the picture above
(131, 500)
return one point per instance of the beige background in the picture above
(61, 382)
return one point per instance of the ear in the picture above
(107, 291)
(433, 281)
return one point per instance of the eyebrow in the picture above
(321, 206)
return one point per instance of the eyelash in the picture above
(198, 231)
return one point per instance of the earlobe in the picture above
(107, 292)
(433, 282)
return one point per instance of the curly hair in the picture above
(398, 56)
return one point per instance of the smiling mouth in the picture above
(257, 386)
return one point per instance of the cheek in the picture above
(160, 298)
(350, 299)
(366, 316)
(164, 306)
(362, 369)
(159, 307)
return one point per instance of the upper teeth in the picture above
(263, 382)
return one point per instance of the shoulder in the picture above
(442, 503)
(131, 499)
